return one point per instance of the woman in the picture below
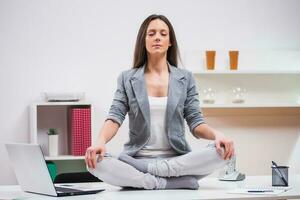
(158, 97)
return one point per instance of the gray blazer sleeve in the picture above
(119, 107)
(192, 111)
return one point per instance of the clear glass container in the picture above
(208, 96)
(238, 95)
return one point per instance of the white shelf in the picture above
(253, 72)
(75, 103)
(64, 157)
(248, 105)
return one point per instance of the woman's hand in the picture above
(227, 144)
(91, 155)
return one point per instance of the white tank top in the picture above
(158, 144)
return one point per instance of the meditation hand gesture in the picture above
(222, 142)
(91, 155)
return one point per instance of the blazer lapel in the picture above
(140, 91)
(176, 87)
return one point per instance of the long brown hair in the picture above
(140, 52)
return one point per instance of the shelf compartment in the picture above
(282, 90)
(47, 115)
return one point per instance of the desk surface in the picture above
(210, 188)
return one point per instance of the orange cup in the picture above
(210, 60)
(233, 59)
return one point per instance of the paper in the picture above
(260, 190)
(256, 192)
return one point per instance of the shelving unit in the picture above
(45, 115)
(270, 115)
(264, 89)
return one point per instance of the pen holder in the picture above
(277, 179)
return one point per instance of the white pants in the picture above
(196, 163)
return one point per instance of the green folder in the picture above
(52, 169)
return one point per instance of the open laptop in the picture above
(32, 172)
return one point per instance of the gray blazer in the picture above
(131, 97)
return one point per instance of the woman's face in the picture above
(157, 37)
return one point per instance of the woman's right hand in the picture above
(91, 155)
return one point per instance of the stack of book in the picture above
(79, 130)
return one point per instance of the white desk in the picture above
(210, 188)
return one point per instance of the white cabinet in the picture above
(264, 89)
(47, 115)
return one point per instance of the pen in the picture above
(260, 191)
(279, 173)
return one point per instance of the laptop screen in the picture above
(30, 168)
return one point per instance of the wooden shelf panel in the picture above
(247, 72)
(255, 111)
(250, 106)
(64, 157)
(62, 103)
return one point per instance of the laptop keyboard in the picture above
(64, 190)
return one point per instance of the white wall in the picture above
(67, 45)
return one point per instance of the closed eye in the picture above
(162, 32)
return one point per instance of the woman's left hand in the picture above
(227, 144)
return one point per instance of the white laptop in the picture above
(32, 172)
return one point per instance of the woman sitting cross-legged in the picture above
(158, 98)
